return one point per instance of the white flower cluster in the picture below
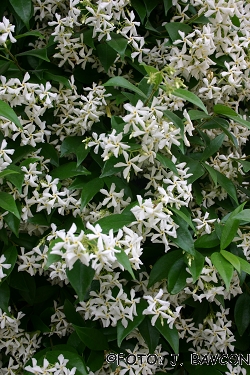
(14, 341)
(58, 368)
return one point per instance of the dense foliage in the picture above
(124, 200)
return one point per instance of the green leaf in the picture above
(140, 8)
(233, 259)
(224, 268)
(190, 97)
(74, 360)
(162, 266)
(195, 168)
(242, 313)
(196, 265)
(93, 338)
(115, 222)
(230, 228)
(90, 189)
(227, 185)
(213, 147)
(7, 202)
(150, 334)
(13, 223)
(212, 172)
(109, 169)
(52, 258)
(6, 172)
(177, 276)
(106, 54)
(171, 335)
(246, 165)
(4, 297)
(123, 332)
(74, 145)
(118, 43)
(206, 370)
(49, 152)
(123, 82)
(123, 259)
(175, 120)
(69, 170)
(244, 265)
(197, 115)
(40, 53)
(184, 239)
(72, 315)
(60, 79)
(207, 241)
(167, 163)
(7, 112)
(230, 113)
(30, 33)
(173, 29)
(80, 277)
(243, 216)
(23, 9)
(184, 217)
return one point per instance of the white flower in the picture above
(6, 29)
(3, 265)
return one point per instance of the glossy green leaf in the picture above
(115, 222)
(123, 332)
(227, 185)
(173, 29)
(197, 115)
(242, 313)
(230, 228)
(167, 163)
(23, 9)
(49, 152)
(212, 172)
(186, 218)
(243, 216)
(196, 265)
(74, 360)
(177, 276)
(93, 338)
(80, 277)
(40, 53)
(6, 172)
(175, 120)
(150, 334)
(56, 78)
(106, 54)
(207, 241)
(8, 203)
(7, 112)
(13, 223)
(162, 266)
(224, 268)
(184, 238)
(213, 147)
(69, 170)
(244, 265)
(233, 259)
(123, 259)
(171, 335)
(118, 43)
(52, 258)
(230, 113)
(123, 82)
(109, 169)
(72, 315)
(190, 97)
(139, 6)
(90, 189)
